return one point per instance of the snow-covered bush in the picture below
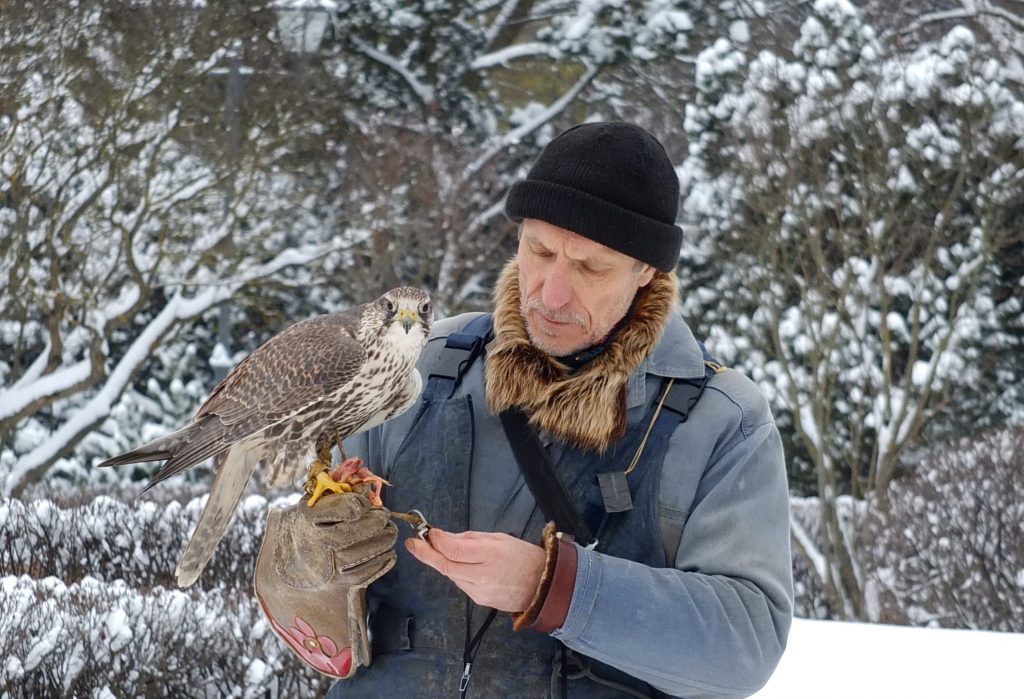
(111, 639)
(944, 548)
(948, 547)
(139, 542)
(88, 604)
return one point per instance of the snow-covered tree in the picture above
(126, 211)
(849, 209)
(448, 102)
(142, 191)
(997, 23)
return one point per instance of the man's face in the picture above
(573, 290)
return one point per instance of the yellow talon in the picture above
(324, 483)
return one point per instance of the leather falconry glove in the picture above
(312, 573)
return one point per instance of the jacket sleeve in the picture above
(715, 624)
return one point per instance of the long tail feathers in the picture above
(157, 450)
(233, 475)
(183, 449)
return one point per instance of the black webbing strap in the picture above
(683, 396)
(460, 351)
(539, 474)
(684, 393)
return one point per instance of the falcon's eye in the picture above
(425, 308)
(390, 305)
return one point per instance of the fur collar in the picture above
(587, 408)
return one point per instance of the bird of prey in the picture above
(310, 386)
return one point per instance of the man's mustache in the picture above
(558, 316)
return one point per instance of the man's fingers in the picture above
(455, 547)
(425, 553)
(429, 555)
(495, 570)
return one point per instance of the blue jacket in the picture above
(715, 622)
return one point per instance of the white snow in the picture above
(739, 31)
(43, 647)
(845, 660)
(220, 357)
(119, 632)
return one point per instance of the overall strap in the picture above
(683, 394)
(539, 474)
(460, 351)
(671, 409)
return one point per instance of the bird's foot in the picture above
(322, 483)
(316, 469)
(343, 479)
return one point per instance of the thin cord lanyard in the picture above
(472, 646)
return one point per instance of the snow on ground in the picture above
(843, 660)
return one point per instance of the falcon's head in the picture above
(406, 316)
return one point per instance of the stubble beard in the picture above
(541, 340)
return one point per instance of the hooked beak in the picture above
(407, 318)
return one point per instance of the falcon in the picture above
(306, 389)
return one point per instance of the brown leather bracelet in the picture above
(550, 603)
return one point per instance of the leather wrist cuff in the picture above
(550, 604)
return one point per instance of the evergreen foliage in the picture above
(852, 209)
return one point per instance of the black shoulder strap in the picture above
(539, 474)
(684, 393)
(460, 351)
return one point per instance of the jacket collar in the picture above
(677, 355)
(587, 407)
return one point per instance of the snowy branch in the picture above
(98, 407)
(486, 215)
(517, 134)
(33, 372)
(500, 22)
(807, 547)
(13, 400)
(423, 92)
(964, 14)
(515, 52)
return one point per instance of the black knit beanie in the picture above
(611, 182)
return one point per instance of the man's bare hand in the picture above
(495, 570)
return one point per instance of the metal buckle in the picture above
(423, 527)
(416, 520)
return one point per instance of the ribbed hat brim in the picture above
(646, 239)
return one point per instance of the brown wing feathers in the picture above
(297, 367)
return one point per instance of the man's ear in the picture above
(646, 275)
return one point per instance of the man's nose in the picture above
(557, 291)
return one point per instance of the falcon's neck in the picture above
(405, 344)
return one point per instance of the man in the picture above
(688, 591)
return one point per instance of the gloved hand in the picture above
(312, 573)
